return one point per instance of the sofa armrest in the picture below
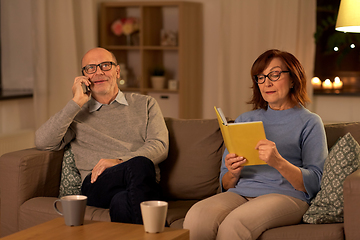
(352, 206)
(26, 174)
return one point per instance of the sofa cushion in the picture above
(335, 131)
(305, 231)
(177, 211)
(192, 168)
(37, 210)
(328, 205)
(70, 183)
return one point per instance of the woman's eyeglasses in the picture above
(272, 76)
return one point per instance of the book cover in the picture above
(241, 138)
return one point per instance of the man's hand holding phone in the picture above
(81, 90)
(86, 89)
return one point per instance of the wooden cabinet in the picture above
(143, 51)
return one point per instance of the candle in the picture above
(327, 84)
(338, 84)
(316, 83)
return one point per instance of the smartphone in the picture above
(86, 89)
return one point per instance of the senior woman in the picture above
(257, 198)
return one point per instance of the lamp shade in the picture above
(348, 19)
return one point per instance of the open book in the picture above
(241, 138)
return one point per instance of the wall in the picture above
(16, 51)
(17, 122)
(17, 125)
(334, 109)
(16, 114)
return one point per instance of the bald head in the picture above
(96, 53)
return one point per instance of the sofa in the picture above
(30, 179)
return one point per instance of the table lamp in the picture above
(348, 19)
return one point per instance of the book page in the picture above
(222, 116)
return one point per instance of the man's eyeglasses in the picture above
(92, 68)
(272, 76)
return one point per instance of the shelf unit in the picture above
(182, 62)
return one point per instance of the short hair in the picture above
(298, 93)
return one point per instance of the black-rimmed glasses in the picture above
(272, 76)
(92, 68)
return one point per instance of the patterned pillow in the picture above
(328, 205)
(70, 183)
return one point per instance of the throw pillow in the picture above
(328, 205)
(70, 183)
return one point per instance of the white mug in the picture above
(154, 215)
(73, 209)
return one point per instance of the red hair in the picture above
(298, 93)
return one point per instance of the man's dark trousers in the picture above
(122, 188)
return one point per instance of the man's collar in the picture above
(95, 105)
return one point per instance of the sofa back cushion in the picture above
(337, 130)
(192, 168)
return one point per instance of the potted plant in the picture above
(158, 78)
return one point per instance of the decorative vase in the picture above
(158, 82)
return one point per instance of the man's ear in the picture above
(118, 71)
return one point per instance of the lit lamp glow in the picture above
(327, 84)
(348, 19)
(316, 83)
(338, 84)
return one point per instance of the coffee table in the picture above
(57, 230)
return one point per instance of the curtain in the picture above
(247, 29)
(63, 31)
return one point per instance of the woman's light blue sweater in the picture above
(300, 138)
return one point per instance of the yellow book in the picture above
(241, 138)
